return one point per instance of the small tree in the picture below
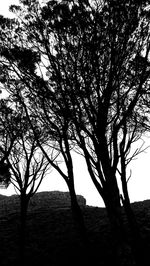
(26, 166)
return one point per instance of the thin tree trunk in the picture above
(137, 244)
(77, 213)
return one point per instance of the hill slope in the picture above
(53, 239)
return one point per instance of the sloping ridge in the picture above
(55, 199)
(42, 200)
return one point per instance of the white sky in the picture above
(4, 6)
(139, 184)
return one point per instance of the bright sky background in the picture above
(4, 6)
(139, 184)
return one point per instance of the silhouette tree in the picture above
(87, 73)
(51, 132)
(25, 165)
(28, 167)
(46, 118)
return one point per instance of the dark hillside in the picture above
(52, 238)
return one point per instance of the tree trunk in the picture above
(87, 251)
(112, 202)
(111, 197)
(24, 201)
(77, 213)
(137, 244)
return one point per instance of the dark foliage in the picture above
(5, 175)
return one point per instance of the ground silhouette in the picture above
(52, 238)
